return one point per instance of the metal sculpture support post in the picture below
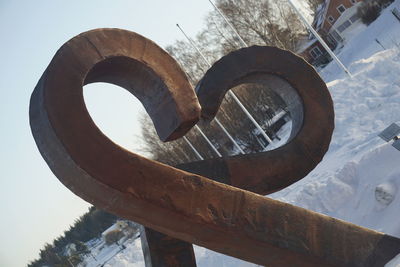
(215, 203)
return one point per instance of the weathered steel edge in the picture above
(161, 250)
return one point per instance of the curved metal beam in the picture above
(180, 204)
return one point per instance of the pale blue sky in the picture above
(35, 207)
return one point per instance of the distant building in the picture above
(335, 21)
(119, 226)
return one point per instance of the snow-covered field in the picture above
(359, 179)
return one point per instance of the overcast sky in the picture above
(35, 207)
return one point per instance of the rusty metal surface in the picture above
(181, 204)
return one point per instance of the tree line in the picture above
(88, 226)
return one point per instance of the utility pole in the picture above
(208, 141)
(235, 98)
(193, 148)
(319, 38)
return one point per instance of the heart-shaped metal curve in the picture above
(182, 204)
(309, 103)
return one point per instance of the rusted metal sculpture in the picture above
(220, 215)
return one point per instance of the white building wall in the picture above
(353, 27)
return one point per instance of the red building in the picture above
(335, 21)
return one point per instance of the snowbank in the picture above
(386, 29)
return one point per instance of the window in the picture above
(261, 139)
(341, 9)
(336, 36)
(344, 26)
(331, 41)
(353, 2)
(331, 19)
(315, 52)
(354, 18)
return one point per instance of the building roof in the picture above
(304, 44)
(317, 24)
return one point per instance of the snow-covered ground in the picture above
(359, 178)
(385, 30)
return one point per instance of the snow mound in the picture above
(367, 103)
(132, 256)
(350, 192)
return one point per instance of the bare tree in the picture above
(171, 153)
(259, 22)
(264, 22)
(188, 58)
